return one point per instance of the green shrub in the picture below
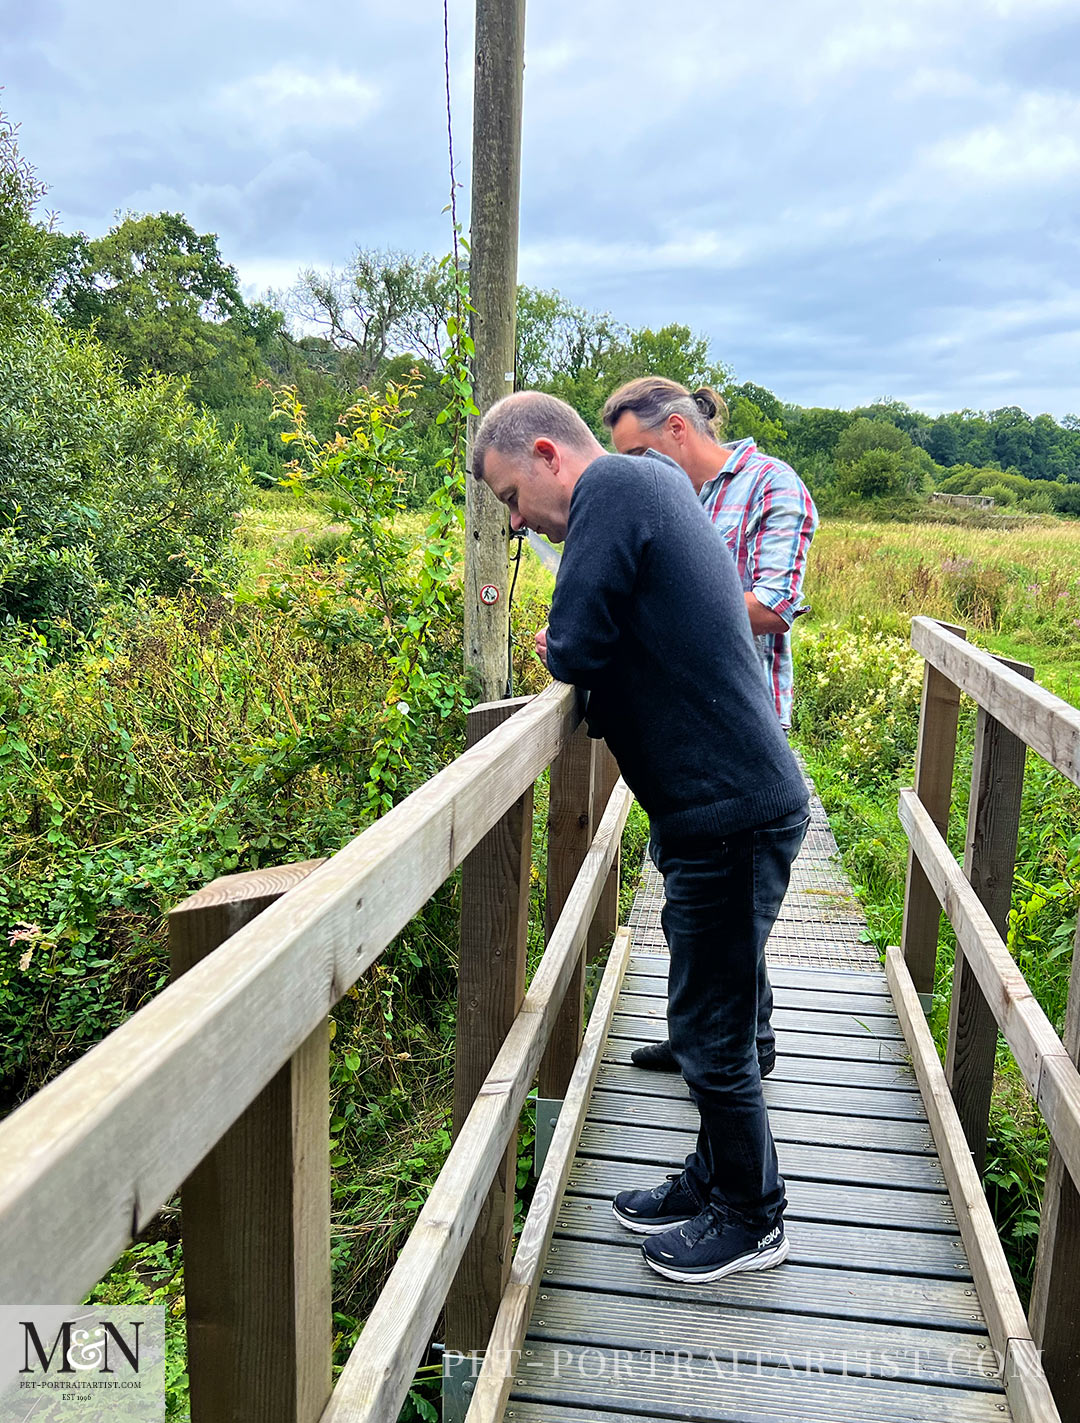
(104, 487)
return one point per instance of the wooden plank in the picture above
(815, 1128)
(880, 1077)
(807, 1289)
(493, 1385)
(993, 825)
(491, 985)
(934, 761)
(378, 1372)
(603, 927)
(886, 1206)
(820, 1163)
(590, 1318)
(256, 1211)
(1028, 1391)
(824, 979)
(1039, 1053)
(1055, 1293)
(570, 827)
(805, 1000)
(629, 1383)
(843, 1100)
(788, 1041)
(839, 1245)
(1049, 725)
(123, 1127)
(859, 1025)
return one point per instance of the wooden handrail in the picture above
(989, 993)
(1049, 725)
(1039, 1052)
(380, 1369)
(1025, 1383)
(493, 1385)
(125, 1125)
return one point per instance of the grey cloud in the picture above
(850, 202)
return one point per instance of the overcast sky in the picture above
(851, 198)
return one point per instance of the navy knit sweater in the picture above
(649, 615)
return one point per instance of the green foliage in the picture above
(25, 254)
(404, 602)
(858, 695)
(103, 486)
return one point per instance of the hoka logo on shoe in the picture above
(768, 1239)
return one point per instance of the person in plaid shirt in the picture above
(758, 503)
(767, 517)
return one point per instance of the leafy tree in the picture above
(1013, 437)
(763, 399)
(814, 431)
(867, 434)
(943, 444)
(159, 294)
(383, 304)
(746, 420)
(25, 253)
(874, 474)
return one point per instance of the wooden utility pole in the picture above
(496, 182)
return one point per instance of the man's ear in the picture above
(548, 451)
(678, 427)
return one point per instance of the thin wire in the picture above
(450, 141)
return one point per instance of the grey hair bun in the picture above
(709, 403)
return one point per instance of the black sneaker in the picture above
(655, 1057)
(658, 1057)
(670, 1204)
(712, 1245)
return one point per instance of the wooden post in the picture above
(256, 1211)
(602, 930)
(1055, 1291)
(570, 832)
(496, 181)
(933, 785)
(993, 824)
(491, 985)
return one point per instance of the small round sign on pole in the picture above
(489, 594)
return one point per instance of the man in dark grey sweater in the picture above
(649, 616)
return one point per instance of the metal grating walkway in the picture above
(873, 1317)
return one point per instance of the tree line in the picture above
(139, 387)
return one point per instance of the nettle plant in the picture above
(403, 598)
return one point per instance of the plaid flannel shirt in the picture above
(767, 518)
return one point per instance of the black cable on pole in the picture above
(519, 539)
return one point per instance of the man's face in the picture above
(536, 490)
(630, 438)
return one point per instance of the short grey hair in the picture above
(654, 398)
(513, 424)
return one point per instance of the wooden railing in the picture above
(220, 1085)
(990, 995)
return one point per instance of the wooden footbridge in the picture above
(896, 1302)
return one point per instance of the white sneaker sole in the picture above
(646, 1227)
(763, 1261)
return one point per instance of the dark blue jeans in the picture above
(723, 894)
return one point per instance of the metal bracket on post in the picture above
(459, 1376)
(547, 1115)
(927, 1001)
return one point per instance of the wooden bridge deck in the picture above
(873, 1317)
